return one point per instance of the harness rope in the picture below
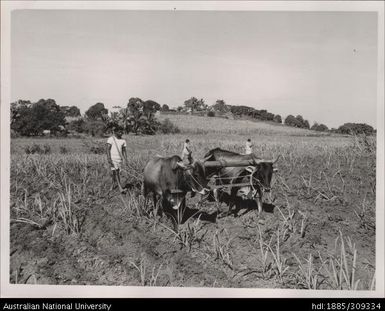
(203, 198)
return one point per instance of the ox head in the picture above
(175, 199)
(195, 176)
(264, 172)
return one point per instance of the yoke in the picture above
(225, 163)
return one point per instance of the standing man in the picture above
(249, 147)
(116, 154)
(186, 152)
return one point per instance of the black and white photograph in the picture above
(195, 149)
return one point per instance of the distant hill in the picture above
(201, 124)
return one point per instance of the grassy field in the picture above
(317, 230)
(204, 125)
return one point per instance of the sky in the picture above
(321, 65)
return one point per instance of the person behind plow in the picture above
(187, 153)
(116, 154)
(249, 147)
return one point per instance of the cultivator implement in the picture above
(245, 181)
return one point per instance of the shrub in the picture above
(95, 128)
(45, 149)
(211, 114)
(277, 118)
(165, 107)
(32, 119)
(63, 150)
(292, 121)
(77, 126)
(95, 147)
(221, 106)
(319, 127)
(356, 129)
(297, 121)
(14, 134)
(96, 112)
(303, 123)
(167, 127)
(72, 111)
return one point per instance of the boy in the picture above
(249, 147)
(116, 154)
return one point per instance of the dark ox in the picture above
(261, 178)
(170, 179)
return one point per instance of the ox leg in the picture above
(179, 215)
(158, 208)
(181, 210)
(216, 198)
(218, 195)
(169, 213)
(145, 192)
(157, 203)
(228, 199)
(259, 201)
(233, 194)
(230, 202)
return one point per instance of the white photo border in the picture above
(74, 291)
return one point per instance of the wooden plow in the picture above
(244, 183)
(249, 165)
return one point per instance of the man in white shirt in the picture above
(116, 154)
(249, 147)
(186, 152)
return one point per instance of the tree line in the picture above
(138, 116)
(220, 108)
(35, 119)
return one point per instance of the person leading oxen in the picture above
(116, 154)
(187, 152)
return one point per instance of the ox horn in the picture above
(206, 158)
(181, 164)
(184, 166)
